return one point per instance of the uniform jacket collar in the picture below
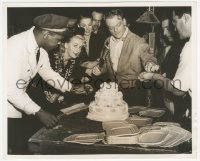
(32, 44)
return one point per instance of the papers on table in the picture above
(87, 138)
(74, 108)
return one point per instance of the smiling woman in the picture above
(73, 44)
(63, 60)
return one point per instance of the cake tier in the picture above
(107, 117)
(109, 101)
(122, 107)
(108, 113)
(112, 87)
(108, 93)
(108, 104)
(102, 99)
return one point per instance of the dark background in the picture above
(20, 19)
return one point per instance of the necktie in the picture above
(38, 55)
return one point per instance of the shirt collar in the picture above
(87, 38)
(123, 36)
(32, 44)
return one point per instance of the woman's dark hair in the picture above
(73, 31)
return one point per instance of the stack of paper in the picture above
(124, 134)
(160, 134)
(165, 136)
(152, 112)
(88, 138)
(139, 121)
(73, 109)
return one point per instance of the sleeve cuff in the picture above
(177, 84)
(31, 108)
(67, 87)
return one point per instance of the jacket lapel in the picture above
(123, 57)
(106, 57)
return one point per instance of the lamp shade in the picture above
(148, 18)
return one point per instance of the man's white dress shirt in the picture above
(182, 79)
(116, 48)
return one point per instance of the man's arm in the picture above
(168, 85)
(181, 82)
(162, 82)
(16, 84)
(148, 60)
(101, 68)
(183, 75)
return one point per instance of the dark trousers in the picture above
(140, 95)
(181, 104)
(19, 131)
(134, 96)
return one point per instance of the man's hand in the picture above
(88, 88)
(96, 71)
(144, 76)
(88, 71)
(151, 67)
(46, 118)
(51, 97)
(81, 89)
(61, 99)
(89, 64)
(85, 79)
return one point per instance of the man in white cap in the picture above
(27, 56)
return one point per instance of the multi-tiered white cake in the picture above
(108, 104)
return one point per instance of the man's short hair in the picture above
(114, 12)
(98, 11)
(165, 14)
(179, 11)
(84, 15)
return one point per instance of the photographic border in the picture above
(195, 75)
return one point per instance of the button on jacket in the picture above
(22, 67)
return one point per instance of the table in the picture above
(49, 141)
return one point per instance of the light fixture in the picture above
(148, 17)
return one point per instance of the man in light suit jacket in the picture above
(125, 55)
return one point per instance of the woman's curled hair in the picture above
(73, 31)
